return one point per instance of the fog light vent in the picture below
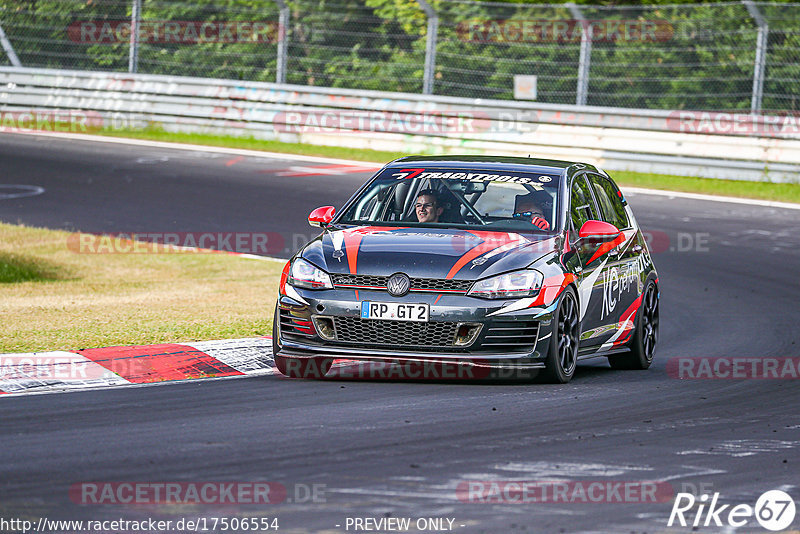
(325, 328)
(466, 333)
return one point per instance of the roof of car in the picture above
(488, 162)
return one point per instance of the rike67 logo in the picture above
(774, 510)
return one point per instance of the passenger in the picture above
(427, 207)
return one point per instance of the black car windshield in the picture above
(453, 197)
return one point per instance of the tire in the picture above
(296, 367)
(645, 336)
(562, 355)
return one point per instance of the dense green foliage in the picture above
(703, 56)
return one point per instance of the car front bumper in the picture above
(514, 340)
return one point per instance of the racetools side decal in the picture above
(616, 282)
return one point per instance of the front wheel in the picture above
(643, 344)
(562, 356)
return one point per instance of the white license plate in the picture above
(395, 311)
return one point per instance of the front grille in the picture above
(438, 284)
(360, 280)
(396, 333)
(514, 336)
(432, 285)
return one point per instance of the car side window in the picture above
(608, 197)
(581, 207)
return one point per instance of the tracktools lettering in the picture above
(469, 176)
(774, 510)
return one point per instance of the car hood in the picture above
(426, 252)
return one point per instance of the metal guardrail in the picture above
(614, 138)
(729, 55)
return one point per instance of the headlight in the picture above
(303, 274)
(507, 286)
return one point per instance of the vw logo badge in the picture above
(398, 285)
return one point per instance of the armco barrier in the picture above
(613, 138)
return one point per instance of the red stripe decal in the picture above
(356, 294)
(489, 242)
(156, 363)
(284, 277)
(352, 240)
(605, 247)
(415, 172)
(552, 288)
(628, 314)
(437, 299)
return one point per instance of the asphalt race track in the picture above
(381, 448)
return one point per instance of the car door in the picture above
(587, 260)
(621, 280)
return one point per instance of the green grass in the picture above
(57, 298)
(733, 188)
(15, 268)
(710, 186)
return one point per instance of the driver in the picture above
(528, 207)
(428, 208)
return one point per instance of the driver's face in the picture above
(533, 209)
(427, 209)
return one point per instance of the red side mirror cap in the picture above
(321, 216)
(598, 229)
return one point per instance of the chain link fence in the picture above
(724, 56)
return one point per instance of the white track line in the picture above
(371, 165)
(713, 198)
(205, 148)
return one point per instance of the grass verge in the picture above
(733, 188)
(57, 299)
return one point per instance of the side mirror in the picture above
(321, 216)
(598, 230)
